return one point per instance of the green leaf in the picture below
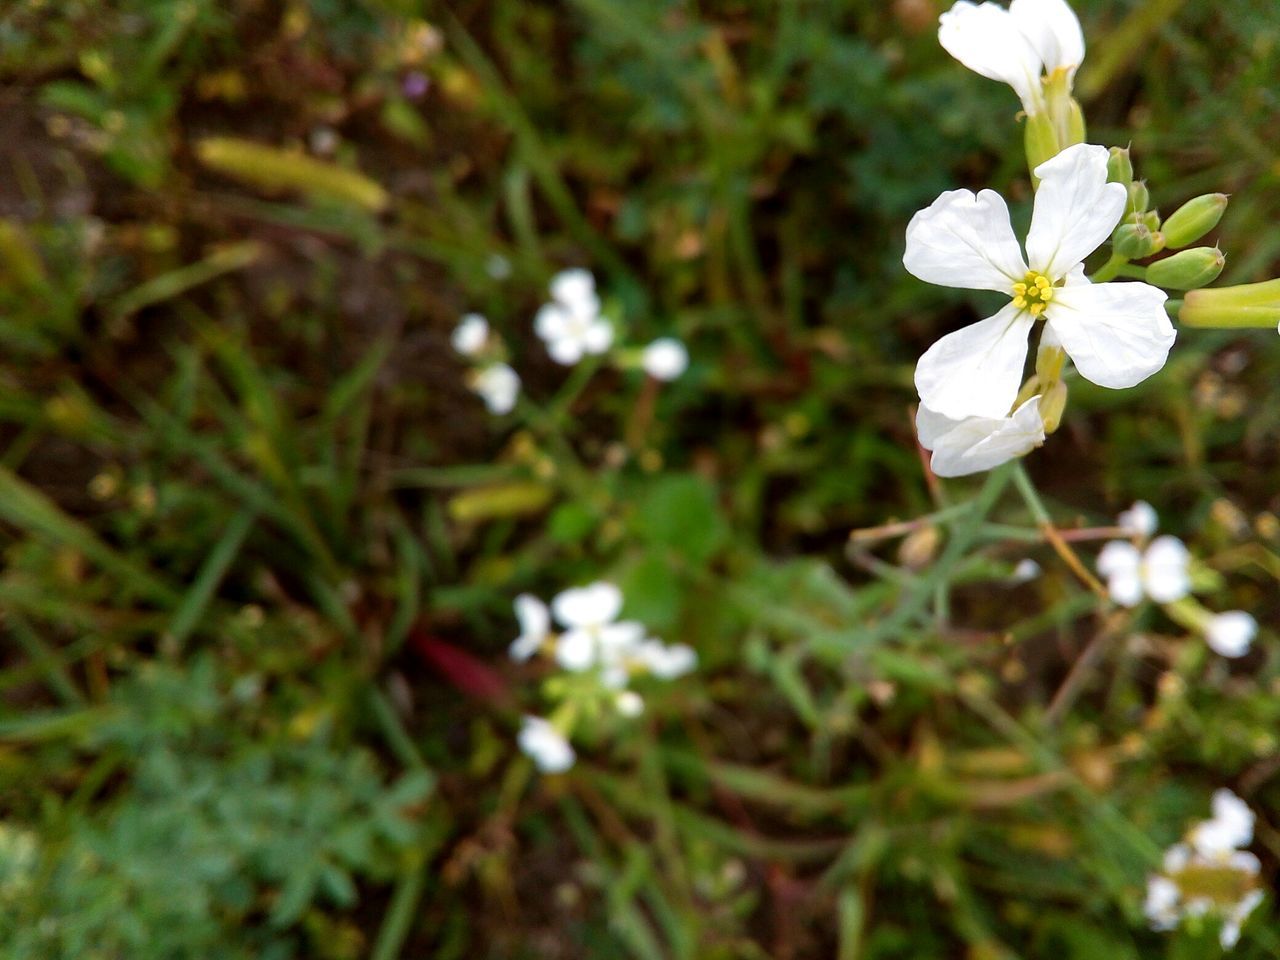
(681, 512)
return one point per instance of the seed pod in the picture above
(1194, 219)
(1119, 166)
(1188, 270)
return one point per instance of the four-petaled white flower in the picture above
(1140, 520)
(665, 359)
(535, 627)
(1118, 334)
(1161, 573)
(499, 386)
(593, 636)
(571, 324)
(545, 745)
(972, 444)
(470, 335)
(1017, 45)
(1230, 634)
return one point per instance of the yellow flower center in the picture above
(1033, 293)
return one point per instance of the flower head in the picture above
(593, 635)
(535, 627)
(499, 386)
(571, 324)
(1117, 334)
(665, 359)
(1015, 46)
(1230, 634)
(545, 745)
(470, 335)
(973, 444)
(1161, 573)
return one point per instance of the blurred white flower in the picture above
(1161, 905)
(1230, 827)
(545, 745)
(1140, 520)
(1162, 573)
(972, 444)
(1017, 45)
(1117, 334)
(499, 386)
(666, 662)
(629, 703)
(1231, 633)
(571, 324)
(593, 635)
(1026, 571)
(1238, 913)
(470, 335)
(665, 359)
(535, 627)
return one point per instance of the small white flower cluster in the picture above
(492, 378)
(593, 642)
(1160, 570)
(1209, 873)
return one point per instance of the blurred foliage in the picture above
(260, 541)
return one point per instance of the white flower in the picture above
(972, 444)
(1231, 827)
(1026, 571)
(571, 325)
(593, 635)
(1118, 334)
(665, 359)
(535, 627)
(1161, 905)
(1016, 45)
(470, 335)
(629, 703)
(1162, 573)
(547, 746)
(1140, 519)
(1230, 633)
(499, 386)
(666, 662)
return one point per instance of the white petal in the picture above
(535, 625)
(980, 443)
(987, 40)
(629, 703)
(619, 638)
(589, 606)
(499, 386)
(977, 370)
(1176, 858)
(1141, 519)
(665, 359)
(1234, 816)
(1054, 31)
(1162, 899)
(1230, 633)
(963, 240)
(597, 336)
(1075, 209)
(470, 334)
(549, 750)
(567, 350)
(551, 322)
(1117, 334)
(1120, 562)
(1165, 574)
(576, 650)
(575, 288)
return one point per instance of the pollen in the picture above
(1033, 293)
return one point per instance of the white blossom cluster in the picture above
(976, 411)
(593, 642)
(1210, 873)
(1159, 570)
(491, 377)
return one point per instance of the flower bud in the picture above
(1248, 305)
(1139, 197)
(1135, 241)
(1052, 405)
(1119, 166)
(1194, 219)
(1187, 270)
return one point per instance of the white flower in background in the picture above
(1140, 519)
(470, 335)
(545, 745)
(666, 662)
(972, 444)
(1015, 46)
(1161, 573)
(571, 324)
(1026, 571)
(1230, 634)
(629, 703)
(665, 359)
(1117, 334)
(535, 627)
(593, 634)
(499, 386)
(1210, 873)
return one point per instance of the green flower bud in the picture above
(1134, 241)
(1052, 405)
(1119, 166)
(1250, 305)
(1187, 270)
(1139, 197)
(1194, 219)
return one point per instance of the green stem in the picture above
(1109, 270)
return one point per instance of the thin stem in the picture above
(1109, 270)
(1060, 546)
